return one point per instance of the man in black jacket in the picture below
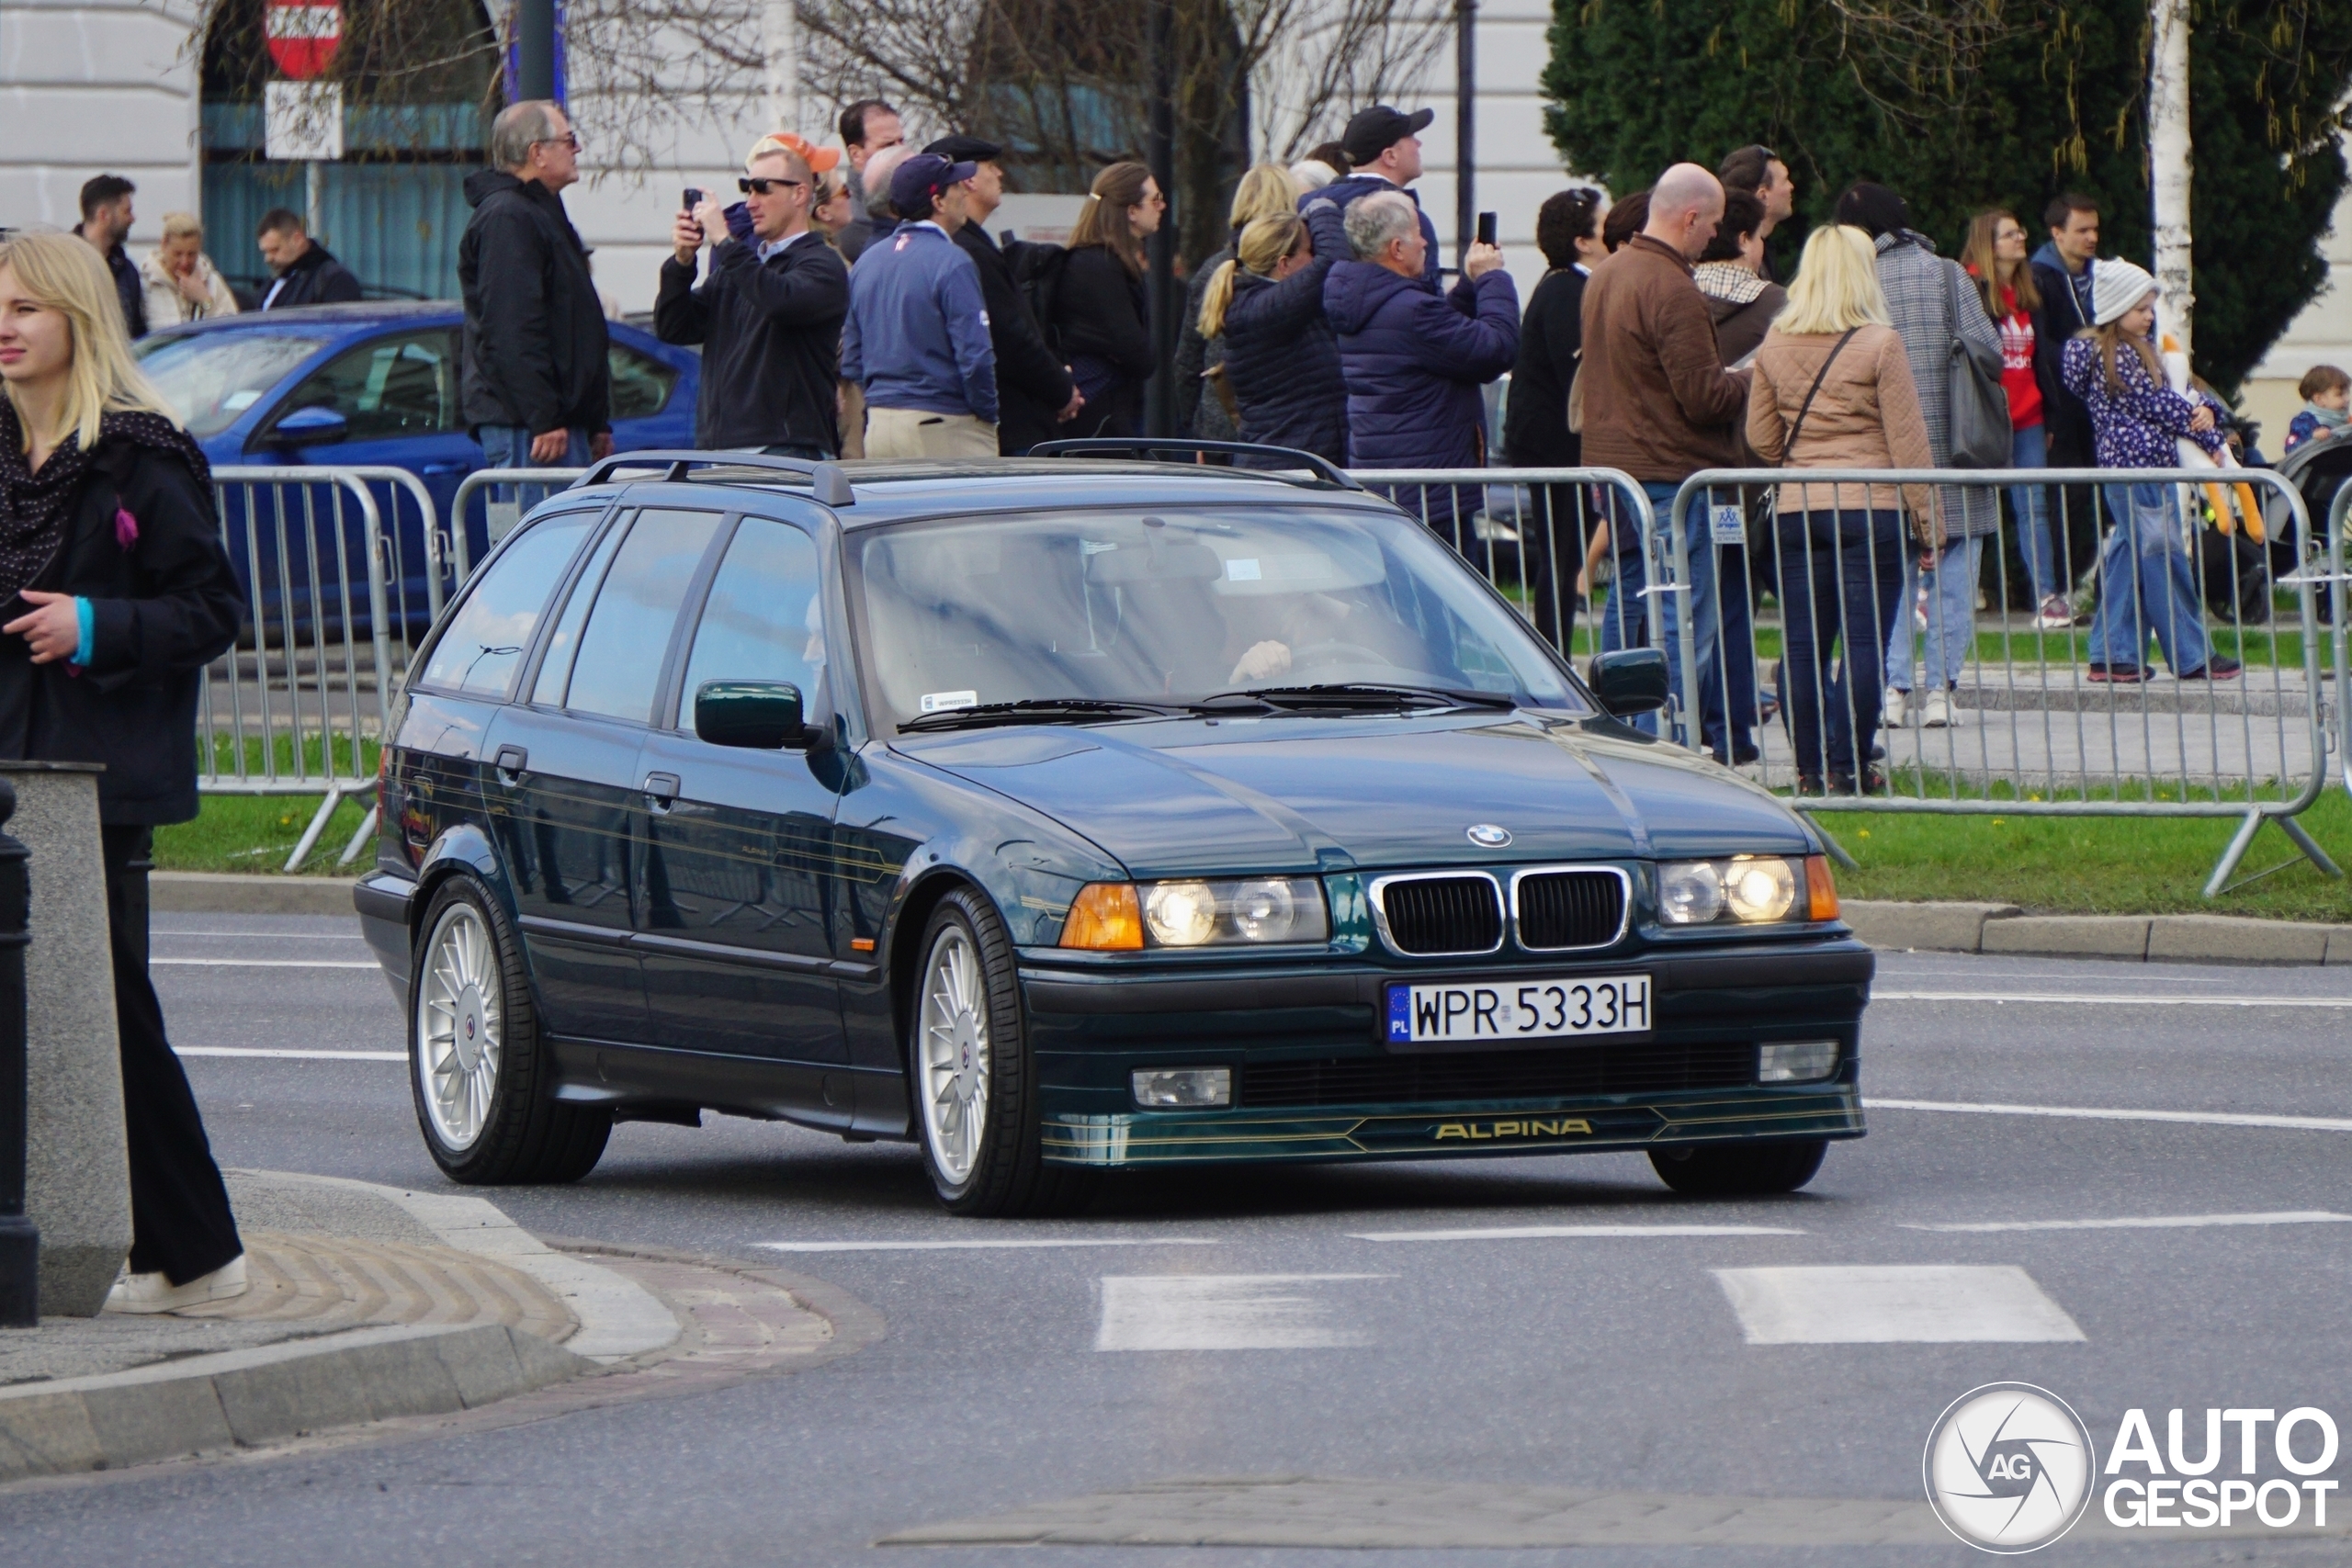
(105, 224)
(306, 272)
(538, 383)
(769, 315)
(2062, 274)
(1035, 392)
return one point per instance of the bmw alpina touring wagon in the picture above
(1066, 815)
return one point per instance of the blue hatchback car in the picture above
(376, 385)
(1061, 817)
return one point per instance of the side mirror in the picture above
(1632, 679)
(760, 715)
(315, 426)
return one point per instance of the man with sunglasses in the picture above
(769, 314)
(537, 385)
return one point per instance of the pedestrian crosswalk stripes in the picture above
(1878, 1304)
(1225, 1312)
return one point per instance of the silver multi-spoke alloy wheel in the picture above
(458, 1044)
(953, 1041)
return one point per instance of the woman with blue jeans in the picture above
(2147, 576)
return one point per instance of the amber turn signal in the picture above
(1820, 889)
(1105, 917)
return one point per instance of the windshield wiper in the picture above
(1352, 696)
(1038, 710)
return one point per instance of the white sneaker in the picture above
(155, 1293)
(1892, 714)
(1937, 711)
(2056, 615)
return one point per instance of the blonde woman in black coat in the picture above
(114, 594)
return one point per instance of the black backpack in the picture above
(1037, 269)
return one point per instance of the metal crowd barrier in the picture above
(506, 494)
(1802, 622)
(2332, 583)
(1535, 529)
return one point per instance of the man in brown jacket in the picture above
(1660, 404)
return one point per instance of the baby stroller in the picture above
(2317, 468)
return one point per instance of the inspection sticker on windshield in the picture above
(1518, 1009)
(942, 702)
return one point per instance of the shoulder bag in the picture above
(1981, 432)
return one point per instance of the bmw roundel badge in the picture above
(1488, 836)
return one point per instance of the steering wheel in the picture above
(1321, 653)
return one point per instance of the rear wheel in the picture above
(478, 1071)
(1740, 1170)
(973, 1076)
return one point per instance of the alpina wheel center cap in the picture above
(472, 1033)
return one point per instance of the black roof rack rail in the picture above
(1103, 445)
(831, 486)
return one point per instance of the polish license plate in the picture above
(1502, 1011)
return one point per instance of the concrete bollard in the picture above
(77, 1172)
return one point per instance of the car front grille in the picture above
(1570, 908)
(1444, 914)
(1500, 1075)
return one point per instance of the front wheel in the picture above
(973, 1076)
(1740, 1170)
(478, 1071)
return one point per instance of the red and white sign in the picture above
(302, 35)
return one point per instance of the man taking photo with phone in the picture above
(768, 316)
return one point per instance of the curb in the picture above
(227, 892)
(2155, 938)
(240, 1398)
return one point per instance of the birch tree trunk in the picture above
(780, 49)
(2168, 165)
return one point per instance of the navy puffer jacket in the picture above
(1280, 358)
(1414, 361)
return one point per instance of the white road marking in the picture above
(1538, 1233)
(2090, 1113)
(1010, 1242)
(2002, 997)
(2151, 1221)
(270, 962)
(1889, 1306)
(298, 1055)
(1220, 1312)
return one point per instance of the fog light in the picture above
(1187, 1086)
(1785, 1061)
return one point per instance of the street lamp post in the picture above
(1160, 393)
(1466, 127)
(19, 1241)
(535, 48)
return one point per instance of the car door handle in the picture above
(661, 791)
(512, 760)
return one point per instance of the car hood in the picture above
(1186, 797)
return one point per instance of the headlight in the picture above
(1197, 913)
(1751, 890)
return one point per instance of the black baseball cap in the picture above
(962, 148)
(916, 184)
(1374, 130)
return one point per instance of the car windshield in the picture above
(1174, 606)
(213, 378)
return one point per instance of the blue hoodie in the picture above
(1341, 192)
(1414, 361)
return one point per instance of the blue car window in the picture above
(1175, 605)
(211, 378)
(763, 620)
(641, 384)
(618, 668)
(488, 634)
(389, 386)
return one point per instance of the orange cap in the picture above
(818, 159)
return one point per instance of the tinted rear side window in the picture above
(618, 668)
(486, 637)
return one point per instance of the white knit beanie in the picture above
(2115, 287)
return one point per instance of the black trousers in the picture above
(180, 1221)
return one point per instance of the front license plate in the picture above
(1518, 1009)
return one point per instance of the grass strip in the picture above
(257, 832)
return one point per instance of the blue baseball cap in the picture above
(916, 184)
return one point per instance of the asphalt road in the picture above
(1300, 1323)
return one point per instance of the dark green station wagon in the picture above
(1064, 814)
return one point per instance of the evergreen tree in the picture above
(1961, 105)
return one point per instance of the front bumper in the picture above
(1314, 1079)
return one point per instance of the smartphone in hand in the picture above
(694, 198)
(1485, 227)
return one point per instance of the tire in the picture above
(480, 1076)
(1740, 1170)
(973, 1076)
